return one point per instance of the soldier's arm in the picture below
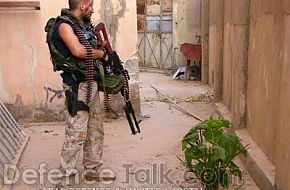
(72, 42)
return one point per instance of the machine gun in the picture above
(117, 68)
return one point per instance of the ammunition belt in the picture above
(88, 60)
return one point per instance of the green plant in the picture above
(210, 151)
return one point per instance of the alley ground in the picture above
(155, 150)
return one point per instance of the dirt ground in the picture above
(146, 161)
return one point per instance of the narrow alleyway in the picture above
(129, 157)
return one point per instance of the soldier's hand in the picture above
(107, 59)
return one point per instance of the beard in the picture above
(87, 19)
(87, 15)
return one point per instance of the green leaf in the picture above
(208, 135)
(235, 170)
(213, 151)
(218, 153)
(229, 143)
(189, 138)
(217, 123)
(226, 123)
(199, 168)
(209, 177)
(201, 126)
(243, 149)
(217, 133)
(188, 157)
(224, 178)
(184, 144)
(196, 153)
(214, 123)
(203, 150)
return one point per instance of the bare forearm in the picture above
(82, 53)
(73, 44)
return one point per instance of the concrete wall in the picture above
(249, 58)
(205, 40)
(265, 69)
(26, 76)
(216, 32)
(235, 58)
(186, 25)
(269, 83)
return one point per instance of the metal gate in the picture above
(12, 143)
(155, 44)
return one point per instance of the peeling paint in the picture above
(111, 16)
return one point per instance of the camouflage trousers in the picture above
(84, 131)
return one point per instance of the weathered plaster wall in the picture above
(269, 83)
(120, 18)
(265, 69)
(24, 61)
(186, 25)
(26, 76)
(249, 48)
(205, 40)
(216, 32)
(235, 58)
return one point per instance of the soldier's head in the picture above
(83, 7)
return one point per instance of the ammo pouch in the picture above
(113, 84)
(73, 105)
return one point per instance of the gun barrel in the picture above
(102, 36)
(131, 116)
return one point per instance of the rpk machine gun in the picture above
(117, 69)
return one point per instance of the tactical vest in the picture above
(71, 64)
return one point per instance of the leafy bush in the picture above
(210, 151)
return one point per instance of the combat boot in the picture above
(100, 176)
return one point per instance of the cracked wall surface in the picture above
(120, 17)
(26, 76)
(111, 16)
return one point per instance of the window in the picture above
(154, 24)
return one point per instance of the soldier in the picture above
(73, 53)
